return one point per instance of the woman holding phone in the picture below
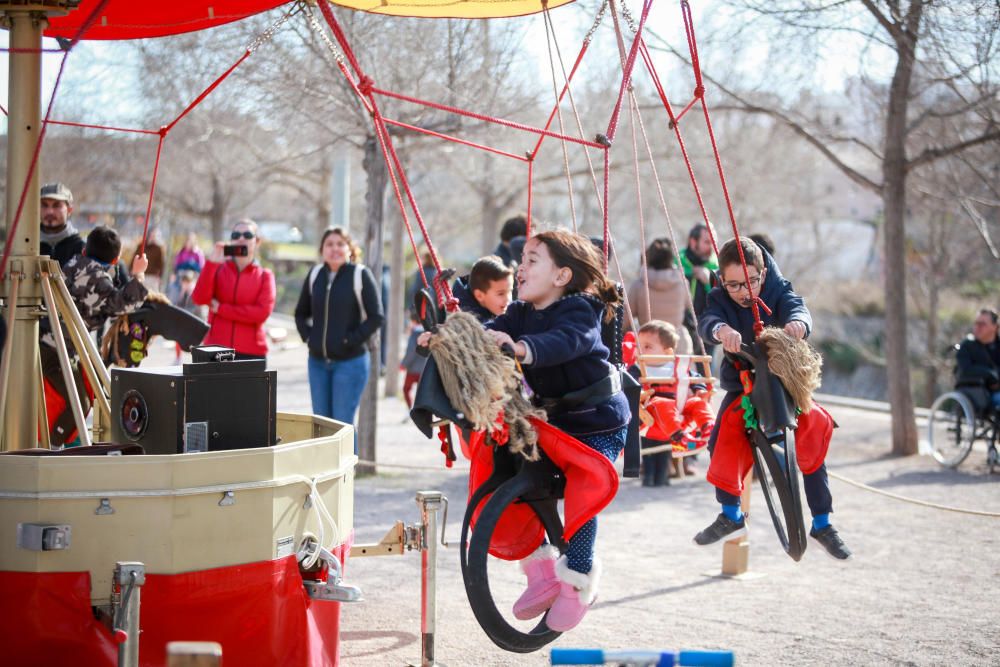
(239, 293)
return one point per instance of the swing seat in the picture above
(55, 404)
(569, 469)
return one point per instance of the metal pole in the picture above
(429, 503)
(23, 125)
(129, 577)
(64, 363)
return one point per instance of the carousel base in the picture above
(218, 533)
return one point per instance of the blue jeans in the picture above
(336, 386)
(995, 396)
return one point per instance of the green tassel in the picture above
(749, 414)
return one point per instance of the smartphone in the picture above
(235, 251)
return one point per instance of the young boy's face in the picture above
(649, 343)
(496, 298)
(735, 283)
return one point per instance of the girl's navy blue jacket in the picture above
(328, 317)
(567, 355)
(467, 301)
(779, 296)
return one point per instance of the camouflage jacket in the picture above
(94, 293)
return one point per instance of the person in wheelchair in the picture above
(555, 332)
(978, 359)
(728, 320)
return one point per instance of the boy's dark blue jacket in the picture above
(777, 293)
(467, 301)
(566, 355)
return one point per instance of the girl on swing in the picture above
(555, 331)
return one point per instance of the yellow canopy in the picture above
(456, 9)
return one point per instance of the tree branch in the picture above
(932, 154)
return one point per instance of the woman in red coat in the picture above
(239, 294)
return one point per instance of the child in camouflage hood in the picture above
(89, 278)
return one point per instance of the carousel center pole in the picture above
(25, 23)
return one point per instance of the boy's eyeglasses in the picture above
(236, 236)
(734, 287)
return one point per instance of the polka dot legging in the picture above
(580, 551)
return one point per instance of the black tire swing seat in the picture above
(773, 447)
(539, 484)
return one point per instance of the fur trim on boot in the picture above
(585, 583)
(544, 552)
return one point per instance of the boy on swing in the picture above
(728, 320)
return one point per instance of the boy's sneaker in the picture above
(722, 527)
(830, 539)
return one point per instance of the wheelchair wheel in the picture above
(951, 428)
(776, 468)
(475, 560)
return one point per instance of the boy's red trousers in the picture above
(732, 458)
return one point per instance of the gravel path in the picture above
(922, 589)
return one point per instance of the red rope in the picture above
(152, 189)
(31, 169)
(457, 140)
(206, 92)
(109, 128)
(488, 119)
(7, 49)
(555, 109)
(399, 199)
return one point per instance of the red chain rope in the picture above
(454, 139)
(485, 118)
(552, 114)
(109, 128)
(152, 189)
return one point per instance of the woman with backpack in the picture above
(338, 311)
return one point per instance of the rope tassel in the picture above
(482, 383)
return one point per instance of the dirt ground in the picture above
(921, 590)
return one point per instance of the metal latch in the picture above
(43, 536)
(334, 587)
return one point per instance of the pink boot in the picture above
(577, 592)
(543, 585)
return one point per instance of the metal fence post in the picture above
(429, 503)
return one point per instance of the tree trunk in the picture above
(377, 177)
(218, 210)
(394, 310)
(904, 425)
(489, 211)
(324, 208)
(930, 382)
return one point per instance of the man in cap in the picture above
(59, 239)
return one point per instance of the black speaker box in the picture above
(199, 407)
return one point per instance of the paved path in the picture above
(923, 588)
